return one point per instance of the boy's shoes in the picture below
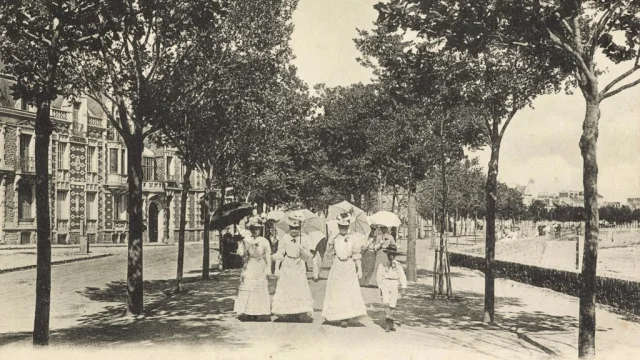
(391, 326)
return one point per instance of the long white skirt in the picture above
(343, 299)
(292, 292)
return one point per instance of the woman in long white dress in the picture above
(293, 297)
(253, 301)
(343, 300)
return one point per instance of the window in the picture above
(63, 158)
(25, 202)
(113, 161)
(76, 110)
(62, 205)
(25, 238)
(62, 238)
(123, 162)
(25, 145)
(23, 105)
(91, 238)
(170, 168)
(120, 207)
(148, 169)
(91, 159)
(92, 206)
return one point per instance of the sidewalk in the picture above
(24, 259)
(532, 323)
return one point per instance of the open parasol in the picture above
(385, 218)
(230, 214)
(360, 222)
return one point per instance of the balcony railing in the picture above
(152, 185)
(27, 164)
(116, 179)
(120, 224)
(94, 121)
(60, 114)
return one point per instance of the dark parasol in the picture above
(230, 214)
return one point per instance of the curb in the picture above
(59, 262)
(73, 246)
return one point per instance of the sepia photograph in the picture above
(319, 179)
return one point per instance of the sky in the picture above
(541, 144)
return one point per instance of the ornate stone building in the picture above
(88, 181)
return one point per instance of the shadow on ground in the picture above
(419, 309)
(195, 317)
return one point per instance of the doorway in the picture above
(153, 222)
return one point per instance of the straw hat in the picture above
(344, 219)
(295, 220)
(392, 249)
(254, 222)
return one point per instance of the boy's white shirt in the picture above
(401, 274)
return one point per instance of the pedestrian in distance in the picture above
(374, 255)
(253, 301)
(293, 297)
(390, 275)
(343, 300)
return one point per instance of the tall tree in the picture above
(37, 39)
(147, 38)
(229, 125)
(568, 35)
(498, 80)
(418, 79)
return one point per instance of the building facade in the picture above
(87, 179)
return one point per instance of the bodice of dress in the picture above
(294, 247)
(256, 247)
(345, 247)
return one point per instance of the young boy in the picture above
(389, 274)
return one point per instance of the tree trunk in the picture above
(206, 206)
(588, 143)
(445, 215)
(186, 185)
(43, 129)
(393, 199)
(380, 188)
(491, 195)
(412, 272)
(135, 146)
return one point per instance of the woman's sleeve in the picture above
(279, 255)
(331, 246)
(242, 250)
(356, 249)
(305, 252)
(267, 254)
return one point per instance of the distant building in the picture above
(524, 190)
(634, 203)
(615, 204)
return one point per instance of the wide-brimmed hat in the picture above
(344, 219)
(295, 219)
(392, 249)
(254, 222)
